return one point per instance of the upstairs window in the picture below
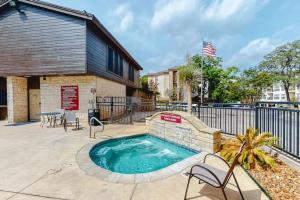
(121, 66)
(115, 62)
(131, 73)
(110, 59)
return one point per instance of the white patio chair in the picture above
(70, 119)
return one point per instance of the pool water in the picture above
(137, 154)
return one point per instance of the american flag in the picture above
(208, 49)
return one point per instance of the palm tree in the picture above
(252, 152)
(190, 76)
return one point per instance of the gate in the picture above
(124, 110)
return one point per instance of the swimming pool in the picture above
(137, 154)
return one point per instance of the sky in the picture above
(159, 34)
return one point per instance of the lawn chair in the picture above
(59, 116)
(213, 176)
(70, 119)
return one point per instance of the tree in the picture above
(172, 94)
(143, 83)
(284, 64)
(253, 82)
(228, 88)
(212, 73)
(190, 76)
(153, 87)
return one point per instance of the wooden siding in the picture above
(97, 60)
(96, 52)
(41, 42)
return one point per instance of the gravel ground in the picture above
(282, 183)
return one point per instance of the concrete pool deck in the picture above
(40, 163)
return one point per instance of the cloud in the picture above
(166, 13)
(125, 15)
(214, 18)
(171, 59)
(253, 52)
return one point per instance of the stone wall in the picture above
(51, 93)
(17, 99)
(190, 132)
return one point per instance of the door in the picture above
(34, 104)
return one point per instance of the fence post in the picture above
(130, 113)
(199, 110)
(111, 109)
(256, 117)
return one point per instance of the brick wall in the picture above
(51, 93)
(17, 99)
(109, 88)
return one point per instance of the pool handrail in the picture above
(90, 124)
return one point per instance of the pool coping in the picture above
(90, 168)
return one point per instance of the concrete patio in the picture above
(39, 163)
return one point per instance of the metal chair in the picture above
(59, 116)
(213, 176)
(70, 119)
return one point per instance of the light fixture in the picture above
(14, 4)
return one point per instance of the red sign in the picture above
(169, 117)
(69, 98)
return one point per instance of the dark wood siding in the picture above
(41, 42)
(97, 50)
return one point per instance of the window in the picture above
(276, 96)
(283, 96)
(298, 96)
(121, 66)
(110, 59)
(270, 97)
(115, 62)
(276, 88)
(131, 73)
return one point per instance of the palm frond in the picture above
(252, 152)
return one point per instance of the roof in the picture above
(158, 73)
(164, 71)
(80, 14)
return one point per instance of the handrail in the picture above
(90, 124)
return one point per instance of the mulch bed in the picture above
(281, 183)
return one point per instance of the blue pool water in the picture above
(137, 154)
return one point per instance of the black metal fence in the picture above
(282, 120)
(279, 118)
(124, 110)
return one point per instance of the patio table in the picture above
(50, 116)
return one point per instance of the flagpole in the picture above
(201, 92)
